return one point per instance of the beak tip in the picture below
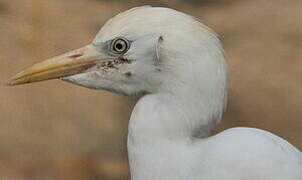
(13, 80)
(57, 67)
(9, 82)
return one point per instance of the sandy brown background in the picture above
(55, 130)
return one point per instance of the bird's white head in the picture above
(144, 50)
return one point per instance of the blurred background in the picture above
(55, 130)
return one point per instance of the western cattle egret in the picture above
(177, 66)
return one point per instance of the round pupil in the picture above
(119, 46)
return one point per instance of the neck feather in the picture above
(180, 115)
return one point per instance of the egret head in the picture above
(142, 50)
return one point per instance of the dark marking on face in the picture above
(128, 74)
(101, 65)
(158, 69)
(110, 64)
(75, 56)
(113, 64)
(123, 60)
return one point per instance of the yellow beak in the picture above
(68, 64)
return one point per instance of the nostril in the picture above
(75, 56)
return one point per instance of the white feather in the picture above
(169, 130)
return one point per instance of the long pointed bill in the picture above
(68, 64)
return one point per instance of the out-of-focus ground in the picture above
(55, 130)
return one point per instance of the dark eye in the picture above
(120, 46)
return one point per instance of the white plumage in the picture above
(177, 63)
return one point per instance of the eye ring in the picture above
(120, 45)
